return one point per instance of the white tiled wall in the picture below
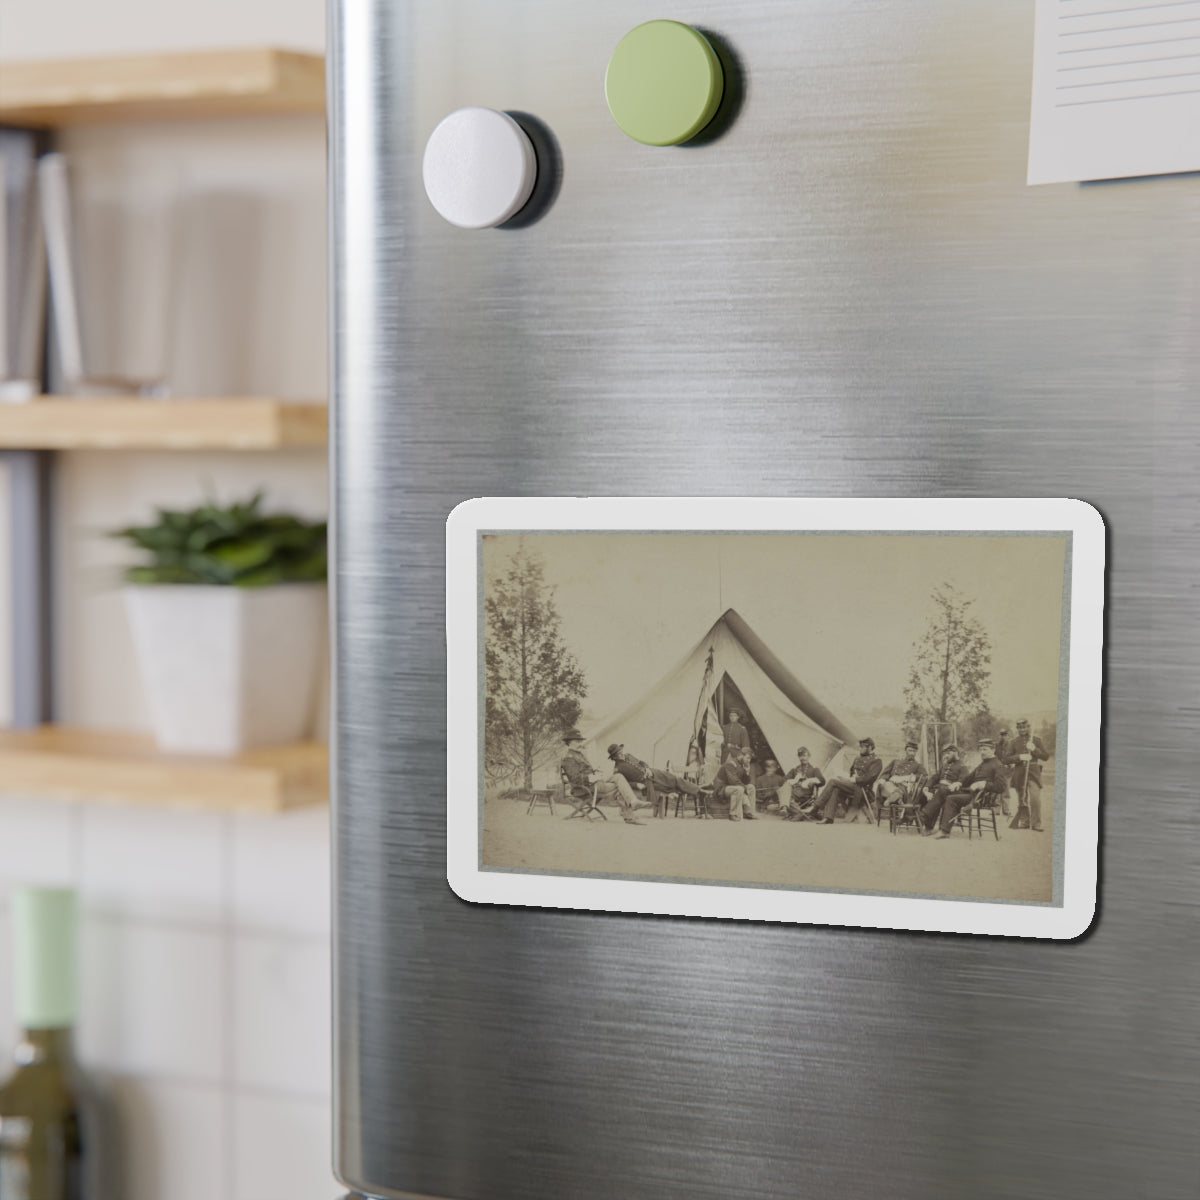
(205, 989)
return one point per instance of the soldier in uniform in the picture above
(800, 787)
(857, 789)
(581, 776)
(767, 785)
(736, 735)
(898, 776)
(987, 778)
(732, 782)
(655, 781)
(1003, 743)
(1025, 756)
(948, 780)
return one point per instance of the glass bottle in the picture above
(42, 1140)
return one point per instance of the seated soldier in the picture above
(767, 785)
(799, 791)
(581, 777)
(947, 781)
(856, 791)
(732, 783)
(898, 777)
(654, 780)
(988, 782)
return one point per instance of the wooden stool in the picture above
(541, 796)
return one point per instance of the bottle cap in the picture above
(44, 927)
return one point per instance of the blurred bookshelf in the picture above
(152, 87)
(89, 765)
(225, 423)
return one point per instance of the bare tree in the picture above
(533, 682)
(949, 676)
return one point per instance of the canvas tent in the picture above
(658, 726)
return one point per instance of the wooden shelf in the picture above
(215, 83)
(228, 423)
(79, 764)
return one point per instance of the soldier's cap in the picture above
(947, 749)
(1022, 724)
(735, 712)
(614, 749)
(987, 742)
(910, 745)
(802, 752)
(573, 735)
(1005, 731)
(867, 742)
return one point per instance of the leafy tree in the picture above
(949, 675)
(533, 682)
(982, 724)
(1049, 735)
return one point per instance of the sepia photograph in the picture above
(880, 712)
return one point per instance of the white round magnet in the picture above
(479, 168)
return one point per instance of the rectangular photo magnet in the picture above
(875, 713)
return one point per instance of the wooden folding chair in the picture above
(583, 806)
(868, 802)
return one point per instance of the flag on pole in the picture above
(699, 732)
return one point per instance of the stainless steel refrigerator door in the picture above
(850, 292)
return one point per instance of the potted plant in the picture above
(228, 622)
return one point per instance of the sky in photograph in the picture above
(842, 612)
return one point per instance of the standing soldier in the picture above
(1026, 755)
(582, 776)
(736, 735)
(1003, 742)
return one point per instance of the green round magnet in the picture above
(664, 83)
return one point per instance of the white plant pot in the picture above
(227, 668)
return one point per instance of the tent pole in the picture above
(721, 701)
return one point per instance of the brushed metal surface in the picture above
(851, 292)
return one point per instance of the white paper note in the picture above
(1116, 89)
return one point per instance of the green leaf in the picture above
(243, 553)
(262, 577)
(161, 574)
